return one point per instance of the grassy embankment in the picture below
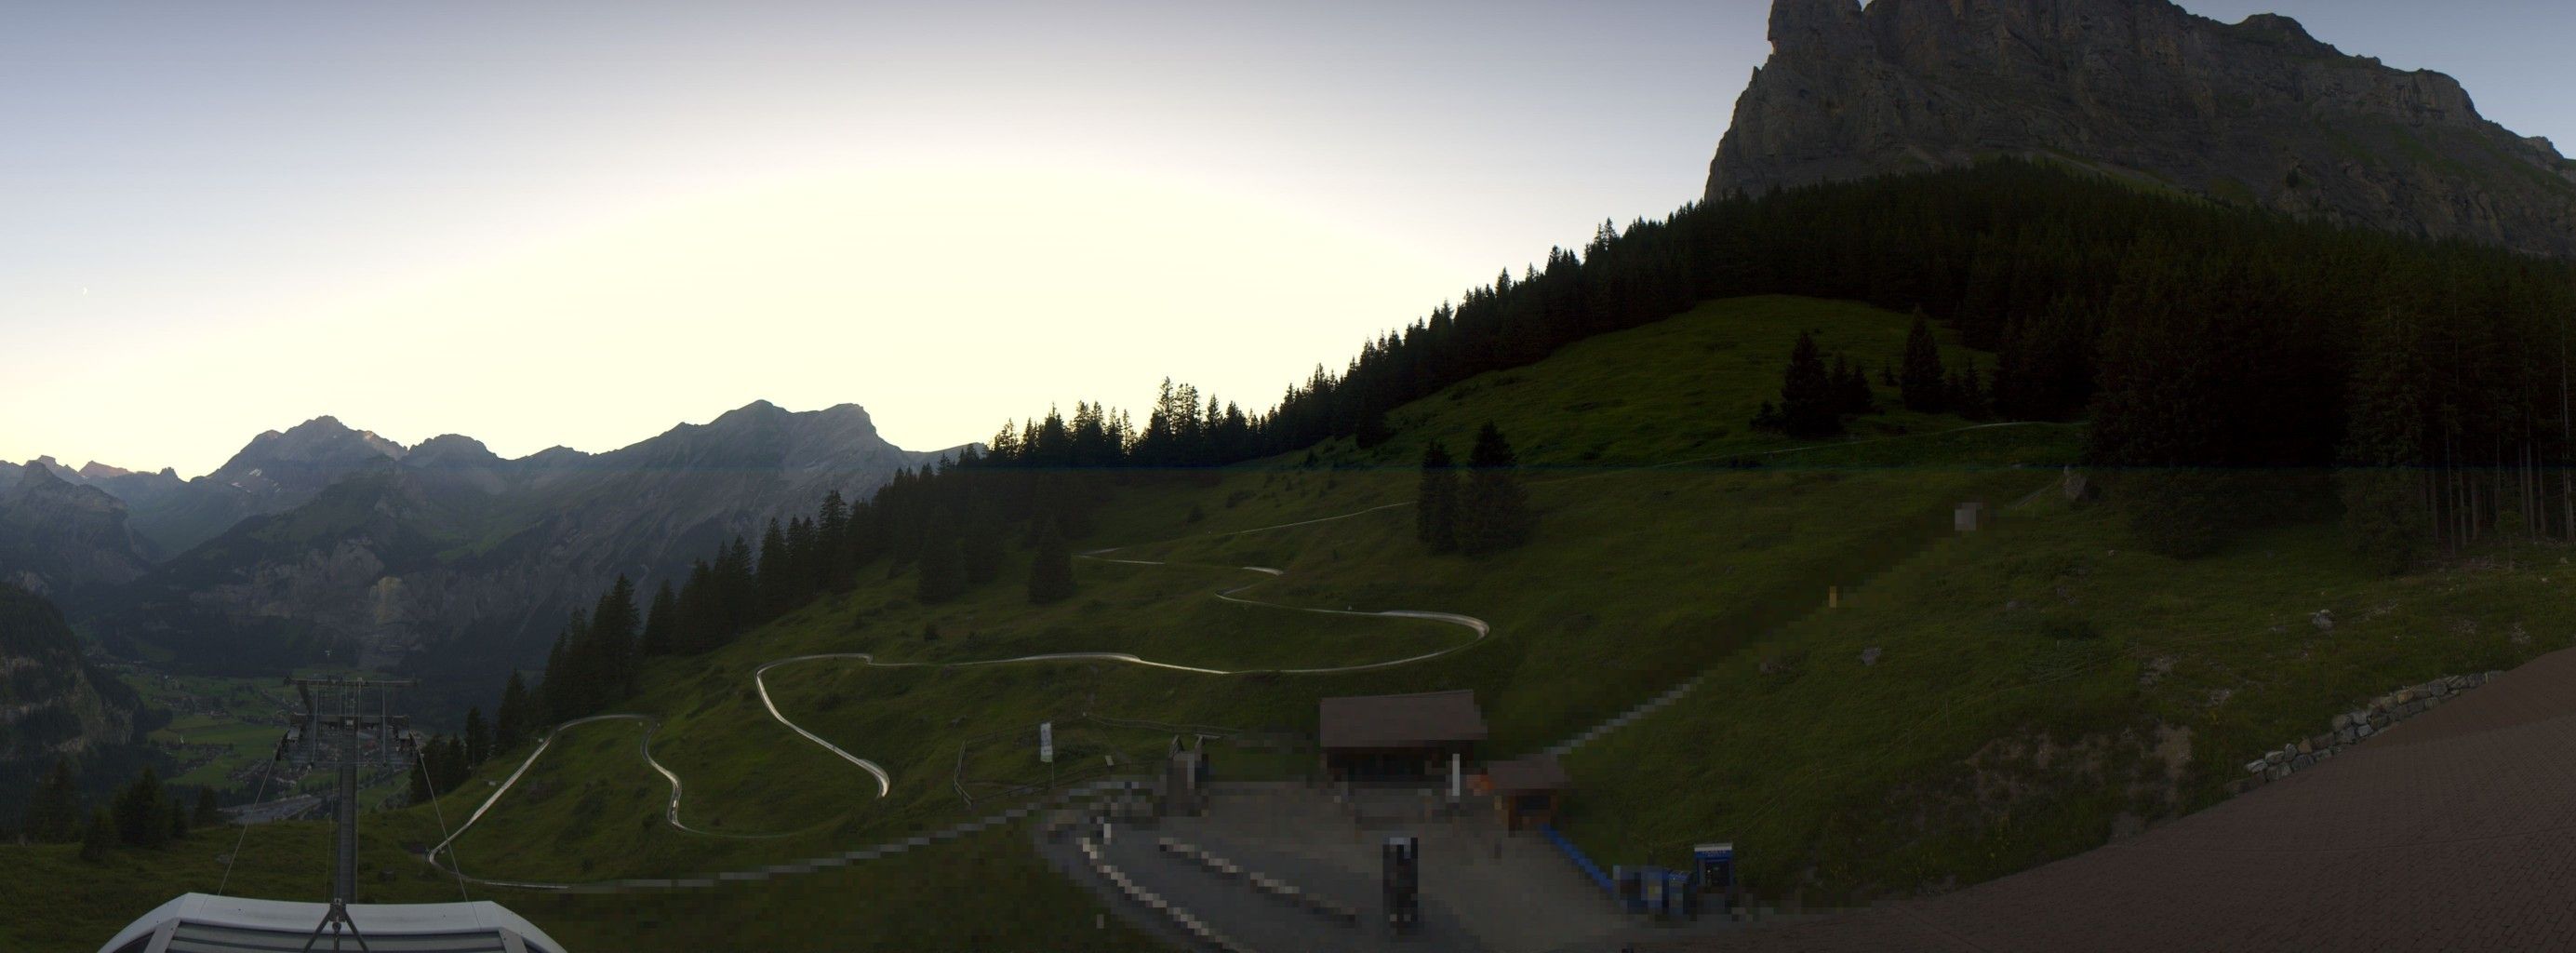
(1921, 768)
(2044, 686)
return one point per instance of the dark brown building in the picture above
(1398, 737)
(1527, 791)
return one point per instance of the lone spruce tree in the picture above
(1493, 512)
(208, 813)
(478, 738)
(54, 813)
(511, 722)
(1435, 512)
(1851, 388)
(142, 814)
(1808, 405)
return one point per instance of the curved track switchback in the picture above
(885, 779)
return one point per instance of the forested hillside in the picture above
(2237, 367)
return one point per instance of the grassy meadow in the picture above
(2041, 685)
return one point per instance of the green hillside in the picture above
(1641, 534)
(1673, 541)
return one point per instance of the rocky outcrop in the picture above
(60, 538)
(52, 701)
(2353, 727)
(2257, 113)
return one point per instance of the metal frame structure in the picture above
(336, 729)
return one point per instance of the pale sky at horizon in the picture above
(542, 224)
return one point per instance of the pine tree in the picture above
(612, 633)
(510, 724)
(1493, 512)
(737, 591)
(832, 565)
(420, 777)
(1435, 513)
(1372, 431)
(776, 574)
(660, 623)
(570, 688)
(558, 699)
(1807, 399)
(797, 577)
(1925, 385)
(449, 770)
(478, 739)
(178, 811)
(980, 552)
(2384, 511)
(142, 814)
(942, 573)
(1051, 569)
(1961, 394)
(97, 836)
(1851, 388)
(701, 622)
(208, 813)
(54, 811)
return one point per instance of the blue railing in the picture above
(1581, 862)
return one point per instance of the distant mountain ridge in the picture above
(59, 536)
(322, 538)
(2257, 113)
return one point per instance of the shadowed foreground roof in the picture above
(204, 922)
(1401, 721)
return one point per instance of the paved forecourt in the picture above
(2454, 830)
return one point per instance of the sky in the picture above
(545, 224)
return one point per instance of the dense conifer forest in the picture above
(2236, 366)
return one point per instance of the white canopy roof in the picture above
(203, 923)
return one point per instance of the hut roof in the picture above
(1538, 772)
(1401, 721)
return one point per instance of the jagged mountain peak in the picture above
(43, 470)
(758, 406)
(2257, 113)
(321, 438)
(449, 448)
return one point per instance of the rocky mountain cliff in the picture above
(52, 701)
(58, 537)
(2257, 113)
(448, 545)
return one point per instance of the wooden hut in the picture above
(1398, 737)
(1527, 791)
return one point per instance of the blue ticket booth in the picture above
(1714, 867)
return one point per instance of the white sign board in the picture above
(1046, 741)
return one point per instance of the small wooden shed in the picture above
(1527, 791)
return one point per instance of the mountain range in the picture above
(326, 543)
(2257, 113)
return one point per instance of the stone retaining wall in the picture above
(2352, 727)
